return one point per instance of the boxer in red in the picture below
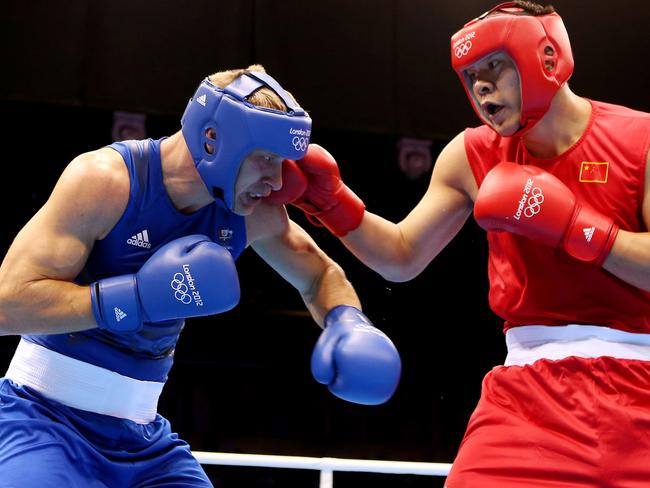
(560, 184)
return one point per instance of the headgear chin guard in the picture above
(240, 128)
(526, 39)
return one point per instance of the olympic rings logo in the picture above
(463, 49)
(300, 143)
(180, 289)
(534, 202)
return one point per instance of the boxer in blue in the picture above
(135, 238)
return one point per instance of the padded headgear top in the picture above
(526, 39)
(240, 128)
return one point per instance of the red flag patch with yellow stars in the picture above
(594, 172)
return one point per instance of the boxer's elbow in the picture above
(393, 259)
(403, 263)
(18, 307)
(398, 275)
(399, 270)
(9, 306)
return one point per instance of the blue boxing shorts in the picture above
(44, 444)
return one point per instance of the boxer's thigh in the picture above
(37, 448)
(533, 426)
(624, 422)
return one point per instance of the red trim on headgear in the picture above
(523, 37)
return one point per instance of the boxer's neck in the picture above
(561, 127)
(182, 181)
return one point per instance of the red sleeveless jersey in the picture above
(531, 283)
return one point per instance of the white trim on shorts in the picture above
(82, 385)
(529, 343)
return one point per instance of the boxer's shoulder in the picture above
(103, 167)
(97, 184)
(452, 168)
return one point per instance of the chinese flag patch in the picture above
(591, 172)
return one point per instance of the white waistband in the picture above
(82, 385)
(529, 343)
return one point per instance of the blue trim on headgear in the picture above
(241, 127)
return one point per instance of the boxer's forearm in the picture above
(629, 258)
(44, 307)
(382, 246)
(331, 289)
(376, 243)
(399, 252)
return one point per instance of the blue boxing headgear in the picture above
(240, 128)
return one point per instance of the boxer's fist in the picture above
(187, 277)
(294, 184)
(356, 360)
(327, 198)
(531, 202)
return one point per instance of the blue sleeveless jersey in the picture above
(149, 221)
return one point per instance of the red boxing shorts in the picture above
(574, 422)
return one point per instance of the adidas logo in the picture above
(119, 314)
(141, 239)
(589, 233)
(201, 99)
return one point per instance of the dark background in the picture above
(369, 72)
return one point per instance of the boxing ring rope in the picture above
(325, 465)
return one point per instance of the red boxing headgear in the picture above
(526, 39)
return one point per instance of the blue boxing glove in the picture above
(187, 277)
(358, 361)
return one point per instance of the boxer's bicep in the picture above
(37, 292)
(85, 203)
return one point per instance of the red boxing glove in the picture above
(327, 198)
(294, 184)
(531, 202)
